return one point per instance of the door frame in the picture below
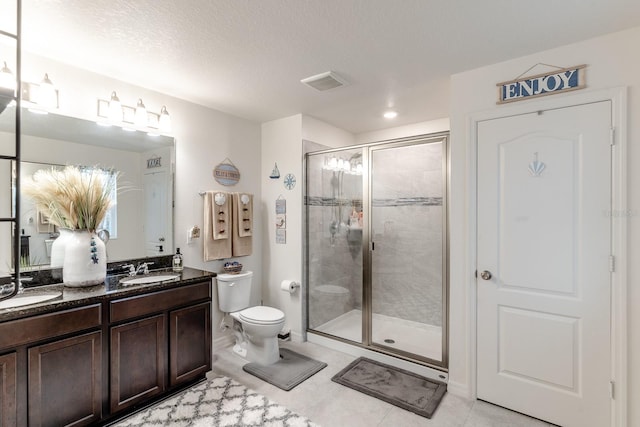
(619, 214)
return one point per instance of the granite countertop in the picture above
(112, 288)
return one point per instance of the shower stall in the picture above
(376, 246)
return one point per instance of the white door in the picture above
(157, 219)
(543, 317)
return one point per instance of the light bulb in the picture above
(115, 109)
(141, 115)
(7, 80)
(47, 96)
(165, 120)
(390, 114)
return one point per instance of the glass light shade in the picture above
(7, 79)
(165, 120)
(115, 109)
(141, 115)
(47, 95)
(346, 166)
(333, 162)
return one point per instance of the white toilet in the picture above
(255, 328)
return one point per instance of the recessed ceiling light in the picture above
(390, 114)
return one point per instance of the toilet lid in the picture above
(262, 314)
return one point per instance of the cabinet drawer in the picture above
(32, 329)
(141, 305)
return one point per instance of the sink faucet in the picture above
(142, 268)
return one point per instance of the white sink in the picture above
(149, 279)
(20, 300)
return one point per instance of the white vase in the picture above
(85, 260)
(58, 247)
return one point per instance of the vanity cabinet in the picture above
(137, 362)
(189, 343)
(159, 341)
(56, 362)
(8, 400)
(65, 381)
(93, 363)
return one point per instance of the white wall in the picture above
(422, 128)
(322, 133)
(282, 144)
(611, 63)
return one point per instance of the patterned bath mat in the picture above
(289, 371)
(397, 386)
(214, 403)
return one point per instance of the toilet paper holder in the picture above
(289, 286)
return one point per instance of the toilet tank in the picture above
(234, 291)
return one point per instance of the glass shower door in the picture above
(408, 237)
(333, 200)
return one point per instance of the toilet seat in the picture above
(261, 315)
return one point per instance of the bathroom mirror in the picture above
(143, 217)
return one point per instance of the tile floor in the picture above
(333, 405)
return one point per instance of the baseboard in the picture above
(224, 341)
(297, 337)
(458, 389)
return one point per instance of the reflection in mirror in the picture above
(142, 221)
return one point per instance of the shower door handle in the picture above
(486, 275)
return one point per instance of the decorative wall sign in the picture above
(561, 80)
(289, 181)
(226, 173)
(154, 162)
(281, 220)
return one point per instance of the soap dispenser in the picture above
(177, 261)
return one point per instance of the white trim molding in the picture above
(619, 214)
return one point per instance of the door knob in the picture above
(486, 275)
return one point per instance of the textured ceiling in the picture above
(246, 57)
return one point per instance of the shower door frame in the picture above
(367, 248)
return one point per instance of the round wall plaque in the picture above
(226, 174)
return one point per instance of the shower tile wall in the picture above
(407, 221)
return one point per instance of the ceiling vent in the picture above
(324, 81)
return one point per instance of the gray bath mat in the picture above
(401, 388)
(288, 372)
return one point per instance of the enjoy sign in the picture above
(562, 80)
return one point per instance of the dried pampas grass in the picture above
(74, 198)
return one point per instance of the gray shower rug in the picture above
(399, 387)
(288, 372)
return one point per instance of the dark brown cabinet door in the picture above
(189, 343)
(8, 390)
(65, 381)
(138, 361)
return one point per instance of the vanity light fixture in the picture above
(136, 118)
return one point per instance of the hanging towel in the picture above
(221, 211)
(242, 243)
(213, 249)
